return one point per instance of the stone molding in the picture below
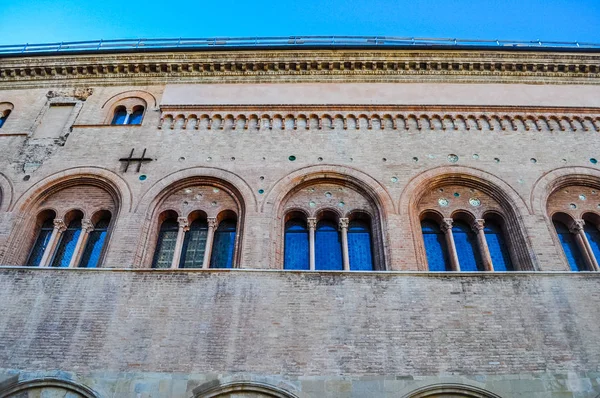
(403, 118)
(317, 65)
(50, 382)
(448, 390)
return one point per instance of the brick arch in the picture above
(357, 181)
(512, 204)
(242, 388)
(31, 202)
(6, 193)
(22, 387)
(447, 390)
(232, 185)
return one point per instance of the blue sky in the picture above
(39, 21)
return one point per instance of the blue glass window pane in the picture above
(296, 246)
(328, 247)
(165, 247)
(2, 120)
(66, 247)
(37, 252)
(593, 235)
(436, 248)
(466, 247)
(567, 240)
(497, 247)
(223, 245)
(120, 116)
(359, 246)
(136, 117)
(194, 245)
(95, 244)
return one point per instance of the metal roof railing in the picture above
(282, 42)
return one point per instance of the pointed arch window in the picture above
(95, 243)
(41, 242)
(497, 246)
(360, 245)
(296, 245)
(165, 246)
(224, 245)
(436, 248)
(194, 245)
(3, 116)
(466, 247)
(569, 245)
(328, 246)
(68, 243)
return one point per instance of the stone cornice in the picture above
(301, 66)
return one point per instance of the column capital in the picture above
(59, 224)
(87, 226)
(344, 223)
(212, 222)
(446, 224)
(576, 226)
(478, 225)
(311, 222)
(183, 223)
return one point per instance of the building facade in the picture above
(300, 222)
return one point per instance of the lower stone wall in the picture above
(151, 333)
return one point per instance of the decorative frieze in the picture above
(382, 118)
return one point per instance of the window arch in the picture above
(360, 242)
(224, 243)
(67, 242)
(592, 233)
(328, 244)
(450, 391)
(296, 242)
(166, 241)
(120, 115)
(94, 244)
(436, 247)
(567, 237)
(194, 244)
(467, 250)
(44, 227)
(127, 111)
(494, 230)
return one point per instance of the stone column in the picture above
(86, 228)
(345, 256)
(478, 226)
(447, 228)
(212, 225)
(183, 228)
(312, 225)
(577, 228)
(127, 117)
(59, 228)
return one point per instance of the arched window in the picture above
(328, 246)
(136, 115)
(194, 245)
(68, 243)
(121, 116)
(497, 247)
(3, 117)
(223, 245)
(466, 247)
(296, 245)
(95, 243)
(165, 246)
(572, 252)
(42, 240)
(435, 246)
(593, 235)
(360, 245)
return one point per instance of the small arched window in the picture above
(3, 117)
(436, 248)
(569, 245)
(120, 116)
(328, 247)
(194, 245)
(42, 240)
(136, 115)
(223, 245)
(497, 247)
(165, 246)
(466, 247)
(360, 245)
(68, 243)
(95, 243)
(593, 235)
(296, 245)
